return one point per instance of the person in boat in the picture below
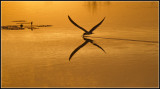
(31, 23)
(31, 26)
(21, 26)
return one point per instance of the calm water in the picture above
(40, 58)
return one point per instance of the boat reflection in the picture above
(92, 6)
(87, 40)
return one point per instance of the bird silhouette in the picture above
(87, 40)
(86, 32)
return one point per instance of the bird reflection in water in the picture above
(87, 40)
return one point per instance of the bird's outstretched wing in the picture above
(76, 24)
(96, 26)
(98, 46)
(78, 49)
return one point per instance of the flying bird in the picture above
(86, 32)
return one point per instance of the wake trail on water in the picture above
(127, 39)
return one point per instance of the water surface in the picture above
(40, 58)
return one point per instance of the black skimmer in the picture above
(86, 32)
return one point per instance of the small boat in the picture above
(12, 27)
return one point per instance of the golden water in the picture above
(40, 58)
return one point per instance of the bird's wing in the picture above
(78, 49)
(98, 46)
(76, 24)
(96, 26)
